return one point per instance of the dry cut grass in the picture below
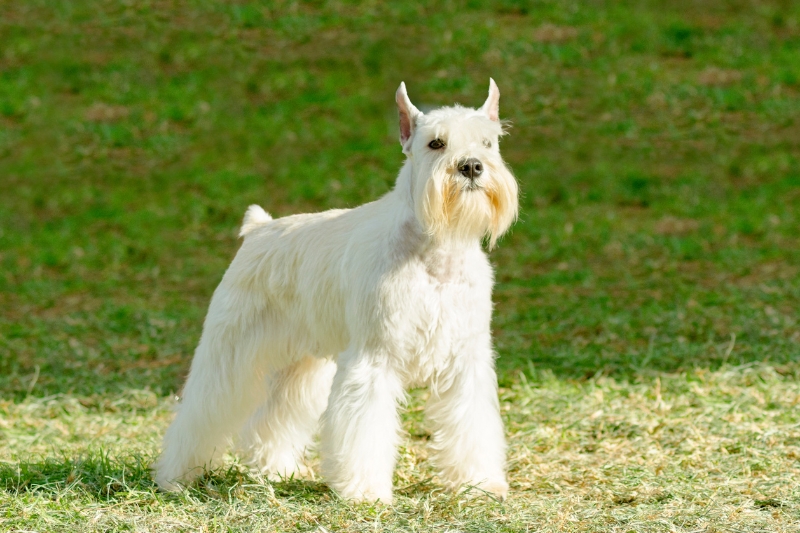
(697, 451)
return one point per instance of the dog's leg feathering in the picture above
(468, 440)
(274, 439)
(360, 429)
(220, 393)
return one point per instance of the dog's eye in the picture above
(487, 143)
(436, 144)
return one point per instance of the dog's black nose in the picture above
(471, 168)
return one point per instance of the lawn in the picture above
(647, 315)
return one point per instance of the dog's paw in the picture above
(298, 471)
(371, 497)
(168, 485)
(497, 488)
(365, 495)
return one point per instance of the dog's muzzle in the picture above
(470, 168)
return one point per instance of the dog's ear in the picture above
(492, 105)
(408, 114)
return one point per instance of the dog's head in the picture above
(460, 186)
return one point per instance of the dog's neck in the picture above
(404, 186)
(441, 260)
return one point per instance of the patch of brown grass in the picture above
(714, 76)
(100, 112)
(675, 226)
(551, 33)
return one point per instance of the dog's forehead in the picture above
(459, 120)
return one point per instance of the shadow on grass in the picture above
(105, 478)
(97, 475)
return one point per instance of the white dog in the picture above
(332, 314)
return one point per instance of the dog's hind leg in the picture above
(221, 391)
(274, 439)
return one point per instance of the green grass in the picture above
(647, 300)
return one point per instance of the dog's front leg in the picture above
(360, 427)
(468, 441)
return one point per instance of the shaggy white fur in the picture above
(331, 315)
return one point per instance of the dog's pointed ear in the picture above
(492, 105)
(408, 114)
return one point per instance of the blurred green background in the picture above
(657, 146)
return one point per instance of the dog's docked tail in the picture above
(254, 216)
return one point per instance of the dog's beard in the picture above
(452, 207)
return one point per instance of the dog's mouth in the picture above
(462, 184)
(465, 184)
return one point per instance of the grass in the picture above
(701, 451)
(647, 300)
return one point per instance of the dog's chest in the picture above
(443, 307)
(444, 269)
